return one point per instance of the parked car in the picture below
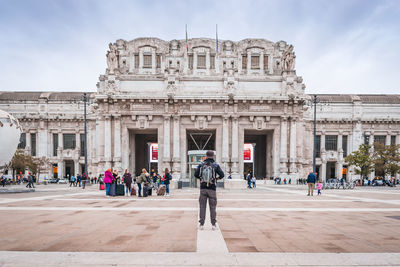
(63, 181)
(53, 180)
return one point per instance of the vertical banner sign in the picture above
(154, 152)
(248, 152)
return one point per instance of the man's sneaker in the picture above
(214, 227)
(201, 227)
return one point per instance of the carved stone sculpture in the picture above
(288, 57)
(112, 58)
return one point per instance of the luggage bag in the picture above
(120, 190)
(145, 191)
(161, 190)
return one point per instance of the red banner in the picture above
(248, 153)
(154, 152)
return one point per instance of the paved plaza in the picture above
(271, 225)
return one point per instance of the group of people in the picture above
(251, 180)
(79, 180)
(311, 180)
(153, 180)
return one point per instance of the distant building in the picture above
(157, 96)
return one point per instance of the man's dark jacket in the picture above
(311, 178)
(218, 171)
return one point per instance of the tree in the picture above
(386, 159)
(41, 163)
(362, 161)
(20, 162)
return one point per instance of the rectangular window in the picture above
(33, 144)
(82, 145)
(69, 141)
(201, 61)
(265, 62)
(147, 61)
(244, 62)
(344, 145)
(381, 139)
(55, 144)
(255, 62)
(393, 140)
(318, 146)
(158, 61)
(331, 142)
(366, 139)
(136, 60)
(22, 141)
(190, 57)
(212, 62)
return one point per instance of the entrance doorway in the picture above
(260, 162)
(69, 168)
(198, 143)
(330, 170)
(144, 151)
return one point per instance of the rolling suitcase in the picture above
(112, 189)
(120, 190)
(145, 191)
(150, 190)
(161, 190)
(133, 191)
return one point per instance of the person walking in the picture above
(167, 179)
(253, 181)
(108, 179)
(84, 178)
(142, 179)
(30, 181)
(248, 178)
(311, 182)
(128, 182)
(79, 180)
(319, 187)
(207, 172)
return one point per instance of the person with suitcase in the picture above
(142, 181)
(208, 172)
(167, 179)
(128, 182)
(108, 179)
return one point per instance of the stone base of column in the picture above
(235, 183)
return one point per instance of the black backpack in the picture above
(207, 173)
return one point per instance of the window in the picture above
(191, 62)
(147, 61)
(201, 61)
(69, 141)
(82, 145)
(331, 142)
(265, 62)
(136, 60)
(344, 145)
(22, 141)
(244, 62)
(255, 62)
(381, 139)
(55, 144)
(318, 146)
(366, 139)
(212, 62)
(393, 140)
(33, 144)
(158, 61)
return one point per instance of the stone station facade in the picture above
(155, 91)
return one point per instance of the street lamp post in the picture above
(85, 133)
(315, 101)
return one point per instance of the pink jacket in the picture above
(108, 177)
(319, 186)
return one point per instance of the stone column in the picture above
(235, 148)
(140, 59)
(125, 150)
(153, 61)
(194, 61)
(132, 63)
(248, 62)
(28, 143)
(208, 60)
(397, 143)
(387, 139)
(76, 168)
(167, 141)
(293, 141)
(275, 152)
(371, 143)
(99, 144)
(270, 64)
(323, 158)
(60, 166)
(117, 142)
(261, 63)
(323, 171)
(42, 141)
(283, 148)
(176, 149)
(339, 163)
(225, 139)
(107, 141)
(78, 143)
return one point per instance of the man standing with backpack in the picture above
(207, 172)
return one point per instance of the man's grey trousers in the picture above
(211, 195)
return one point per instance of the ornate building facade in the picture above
(162, 95)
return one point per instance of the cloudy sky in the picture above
(341, 46)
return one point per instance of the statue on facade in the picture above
(288, 57)
(112, 58)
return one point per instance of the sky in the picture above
(341, 47)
